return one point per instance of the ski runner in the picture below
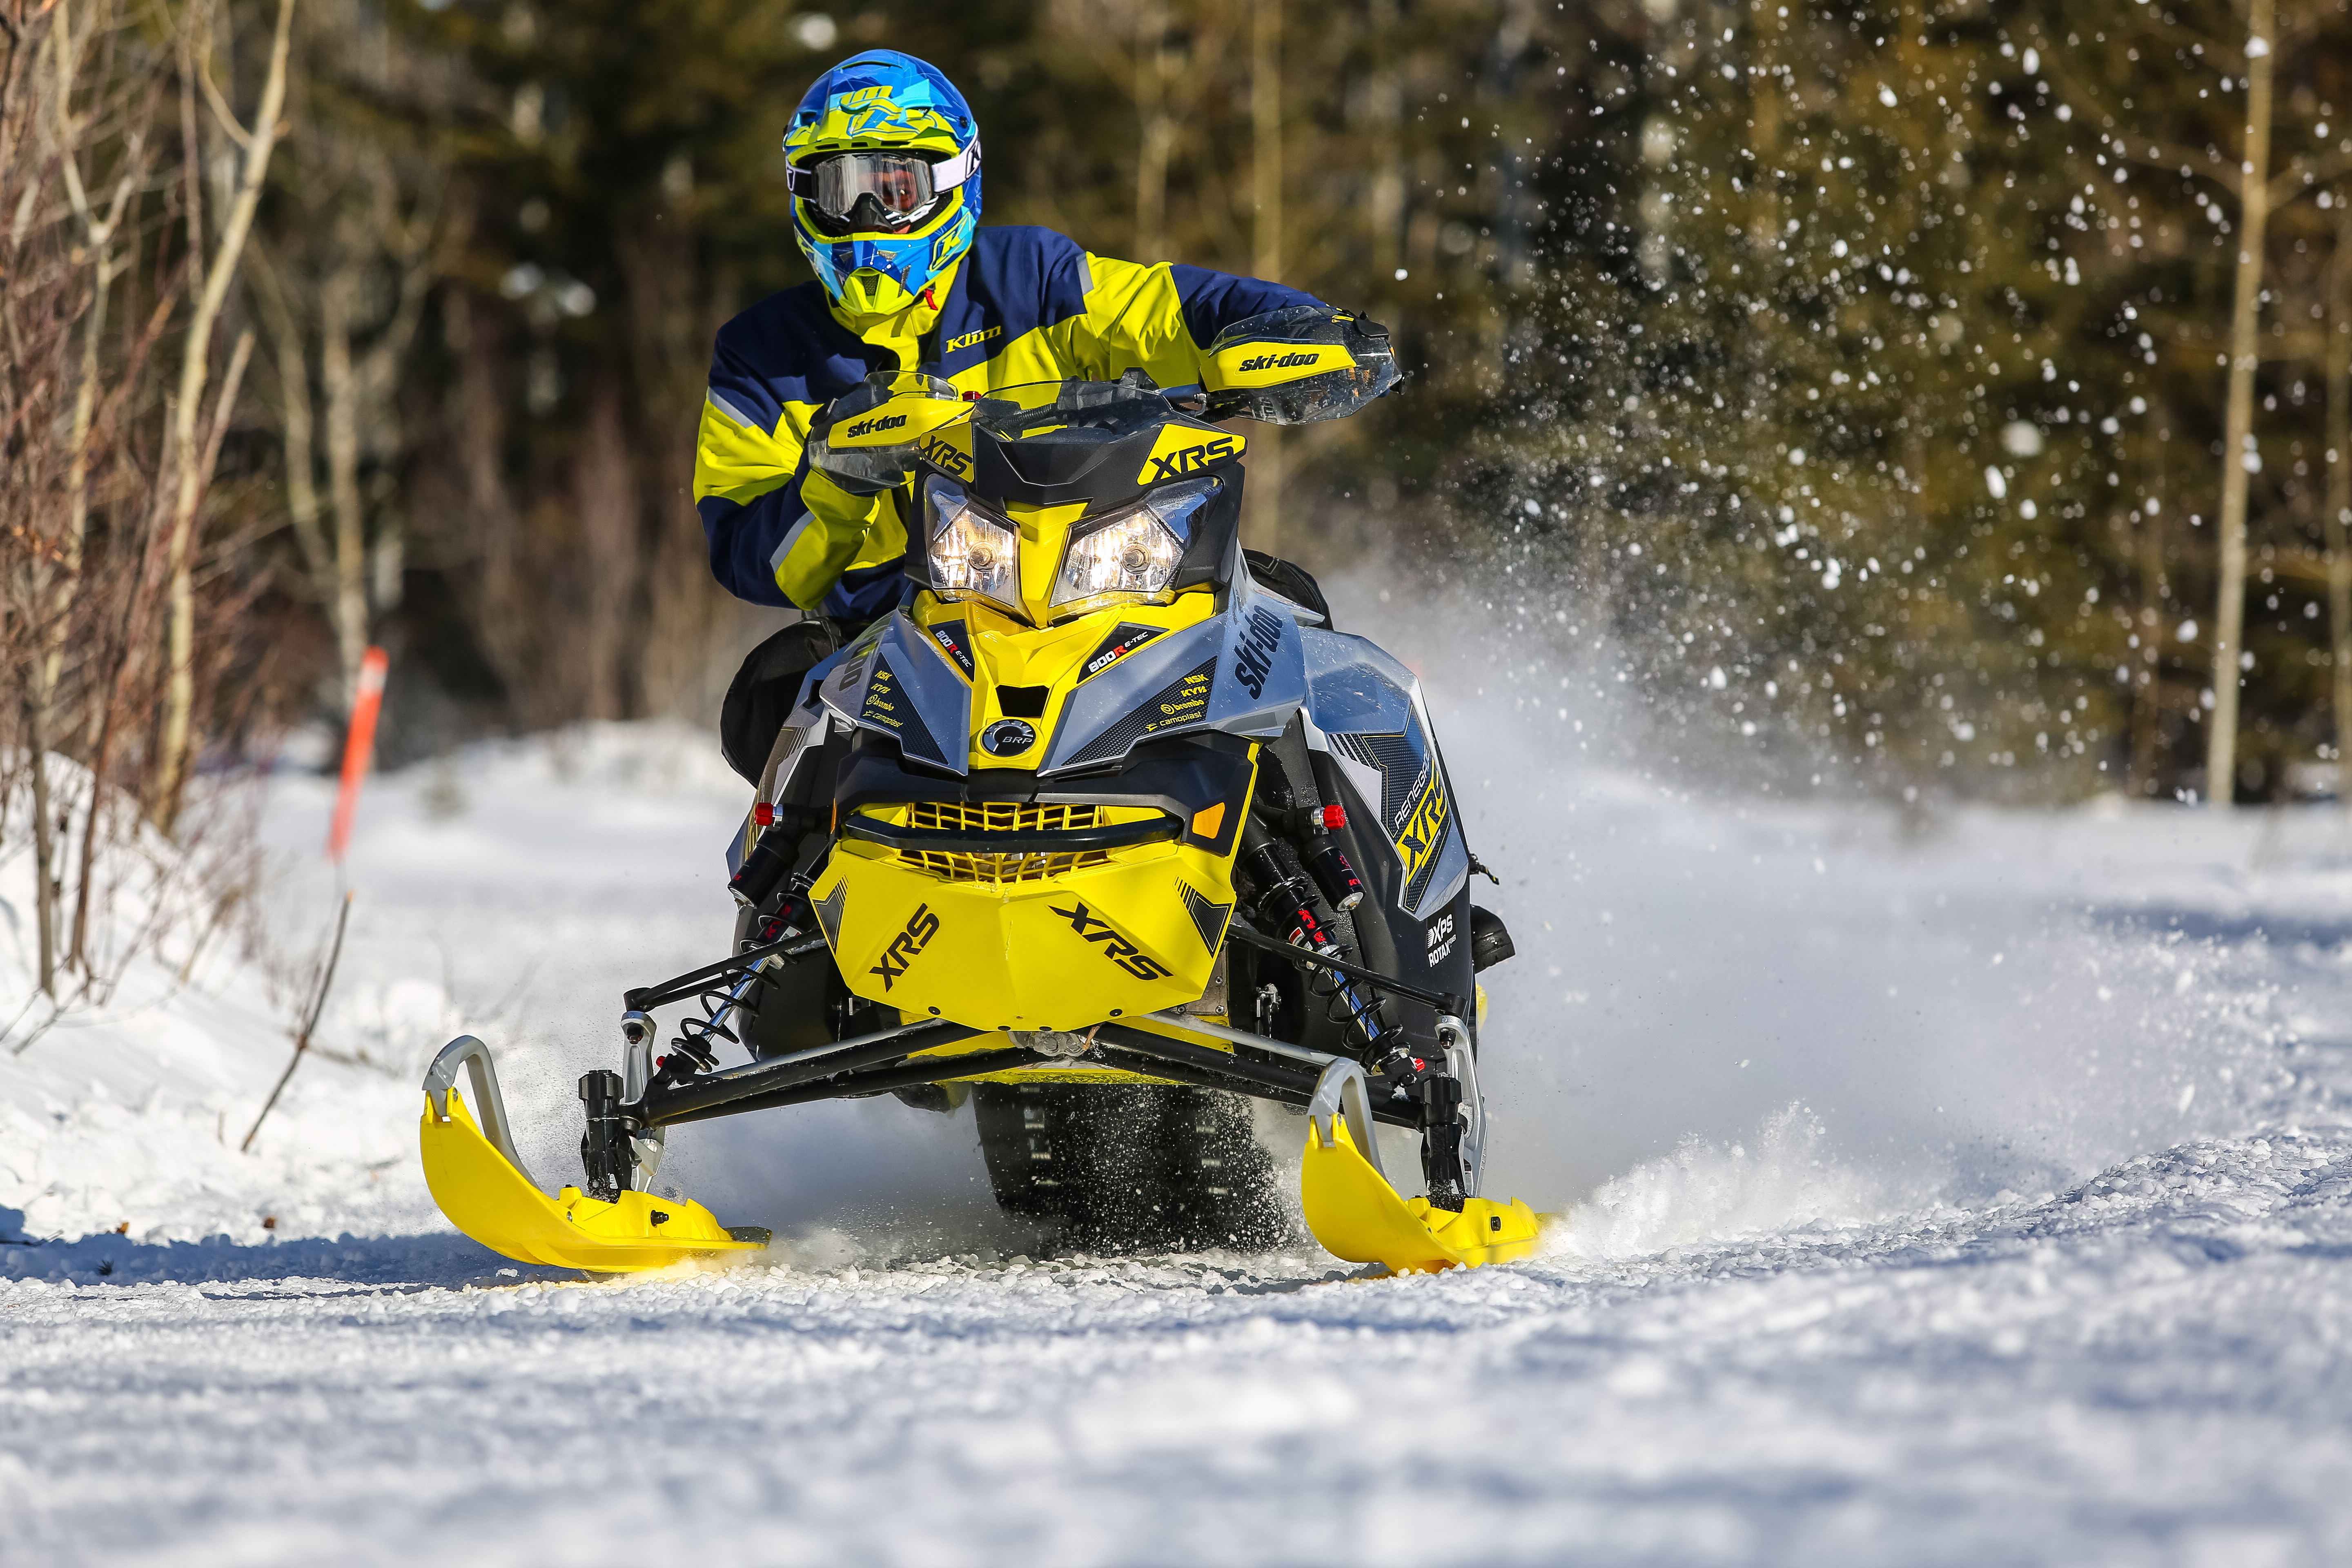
(883, 160)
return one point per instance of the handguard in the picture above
(1355, 1214)
(1298, 365)
(478, 1177)
(866, 440)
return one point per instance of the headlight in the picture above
(1133, 554)
(971, 552)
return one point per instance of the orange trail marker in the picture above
(359, 749)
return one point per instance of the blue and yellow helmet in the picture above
(883, 159)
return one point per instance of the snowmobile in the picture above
(1105, 831)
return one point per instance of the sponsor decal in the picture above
(1423, 832)
(955, 644)
(1117, 647)
(872, 427)
(1187, 460)
(941, 453)
(1186, 702)
(1116, 948)
(921, 926)
(883, 697)
(971, 340)
(1260, 638)
(1280, 361)
(1008, 738)
(1441, 939)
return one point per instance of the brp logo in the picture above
(1008, 738)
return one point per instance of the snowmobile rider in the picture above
(883, 162)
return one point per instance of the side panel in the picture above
(1241, 672)
(897, 681)
(1375, 730)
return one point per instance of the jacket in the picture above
(1022, 305)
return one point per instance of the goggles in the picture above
(903, 184)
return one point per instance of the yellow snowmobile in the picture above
(1102, 832)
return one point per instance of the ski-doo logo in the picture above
(1116, 948)
(1259, 639)
(970, 338)
(1280, 361)
(921, 926)
(937, 451)
(1425, 828)
(1186, 460)
(874, 426)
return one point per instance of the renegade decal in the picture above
(921, 926)
(1186, 460)
(1116, 948)
(956, 642)
(1260, 638)
(1125, 640)
(1423, 835)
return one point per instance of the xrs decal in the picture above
(1423, 833)
(1116, 948)
(1259, 639)
(921, 926)
(941, 453)
(1186, 460)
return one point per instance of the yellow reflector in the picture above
(1208, 819)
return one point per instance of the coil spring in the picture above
(696, 1036)
(1347, 1004)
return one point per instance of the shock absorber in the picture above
(1281, 902)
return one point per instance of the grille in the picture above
(1007, 817)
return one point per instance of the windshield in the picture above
(1076, 411)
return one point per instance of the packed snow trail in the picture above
(2147, 1370)
(1973, 1195)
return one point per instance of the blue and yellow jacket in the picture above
(1023, 305)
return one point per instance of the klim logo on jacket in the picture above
(969, 339)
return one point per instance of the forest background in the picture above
(1909, 400)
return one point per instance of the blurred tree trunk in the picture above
(2338, 520)
(1261, 494)
(2245, 323)
(189, 476)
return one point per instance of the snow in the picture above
(1956, 1187)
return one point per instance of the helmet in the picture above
(883, 160)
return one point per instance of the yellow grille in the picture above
(1007, 817)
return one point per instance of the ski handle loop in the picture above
(1462, 1064)
(1343, 1090)
(490, 1109)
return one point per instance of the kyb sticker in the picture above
(921, 926)
(1116, 948)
